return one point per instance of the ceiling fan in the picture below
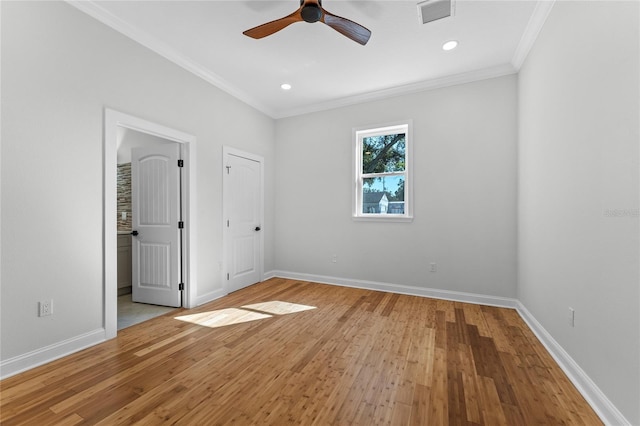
(312, 11)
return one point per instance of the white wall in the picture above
(578, 164)
(60, 69)
(465, 193)
(575, 104)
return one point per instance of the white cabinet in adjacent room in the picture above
(124, 263)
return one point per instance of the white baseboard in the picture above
(24, 362)
(456, 296)
(29, 360)
(605, 409)
(210, 297)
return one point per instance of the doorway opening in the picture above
(148, 194)
(165, 264)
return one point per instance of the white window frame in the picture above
(405, 126)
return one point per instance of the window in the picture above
(383, 173)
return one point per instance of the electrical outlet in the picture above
(334, 258)
(571, 317)
(45, 308)
(433, 267)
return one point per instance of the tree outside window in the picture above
(382, 171)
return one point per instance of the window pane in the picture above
(383, 154)
(383, 195)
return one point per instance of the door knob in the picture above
(134, 233)
(257, 228)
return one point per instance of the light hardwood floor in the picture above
(289, 352)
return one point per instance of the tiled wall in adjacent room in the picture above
(124, 196)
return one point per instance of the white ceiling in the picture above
(325, 68)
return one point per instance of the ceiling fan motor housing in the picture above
(311, 13)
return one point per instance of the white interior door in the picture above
(155, 192)
(243, 204)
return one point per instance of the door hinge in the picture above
(181, 286)
(228, 168)
(227, 223)
(227, 276)
(180, 225)
(180, 163)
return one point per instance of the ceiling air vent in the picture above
(432, 10)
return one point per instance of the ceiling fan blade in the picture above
(353, 30)
(274, 26)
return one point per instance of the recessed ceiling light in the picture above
(285, 86)
(450, 45)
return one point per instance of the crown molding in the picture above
(452, 80)
(95, 11)
(531, 32)
(529, 36)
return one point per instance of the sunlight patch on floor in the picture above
(276, 307)
(223, 317)
(254, 312)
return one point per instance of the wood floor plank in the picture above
(492, 409)
(391, 303)
(309, 354)
(401, 414)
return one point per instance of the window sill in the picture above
(378, 218)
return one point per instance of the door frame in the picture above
(226, 152)
(112, 121)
